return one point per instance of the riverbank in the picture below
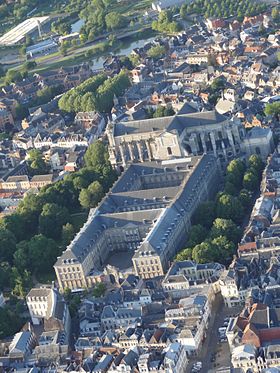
(94, 54)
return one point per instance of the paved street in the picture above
(211, 344)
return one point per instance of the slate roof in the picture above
(178, 122)
(159, 214)
(19, 341)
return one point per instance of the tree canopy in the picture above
(165, 23)
(223, 8)
(95, 94)
(156, 51)
(223, 215)
(272, 109)
(42, 226)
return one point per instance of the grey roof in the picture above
(124, 313)
(140, 126)
(156, 240)
(104, 363)
(38, 178)
(39, 292)
(107, 312)
(19, 341)
(178, 122)
(152, 209)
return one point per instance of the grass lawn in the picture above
(131, 7)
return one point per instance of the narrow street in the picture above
(211, 343)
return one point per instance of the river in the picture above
(97, 63)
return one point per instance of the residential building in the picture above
(46, 306)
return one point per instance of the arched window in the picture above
(169, 151)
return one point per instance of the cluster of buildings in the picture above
(135, 326)
(154, 314)
(252, 281)
(62, 139)
(45, 340)
(143, 220)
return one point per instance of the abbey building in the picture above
(187, 133)
(142, 222)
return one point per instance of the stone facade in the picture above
(145, 218)
(182, 135)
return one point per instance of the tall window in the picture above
(169, 151)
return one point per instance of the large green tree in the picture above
(256, 163)
(205, 214)
(229, 207)
(250, 181)
(21, 256)
(52, 219)
(196, 235)
(115, 21)
(92, 195)
(96, 156)
(273, 109)
(7, 245)
(42, 252)
(235, 172)
(36, 163)
(227, 228)
(156, 51)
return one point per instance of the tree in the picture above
(99, 290)
(245, 197)
(275, 14)
(21, 260)
(169, 111)
(29, 65)
(227, 228)
(21, 111)
(36, 163)
(15, 224)
(96, 156)
(197, 234)
(250, 181)
(205, 214)
(273, 109)
(135, 59)
(114, 21)
(217, 84)
(63, 49)
(223, 248)
(204, 252)
(7, 245)
(256, 163)
(10, 322)
(13, 76)
(52, 219)
(156, 51)
(165, 23)
(230, 188)
(67, 234)
(92, 195)
(126, 62)
(229, 207)
(42, 253)
(235, 172)
(185, 254)
(5, 275)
